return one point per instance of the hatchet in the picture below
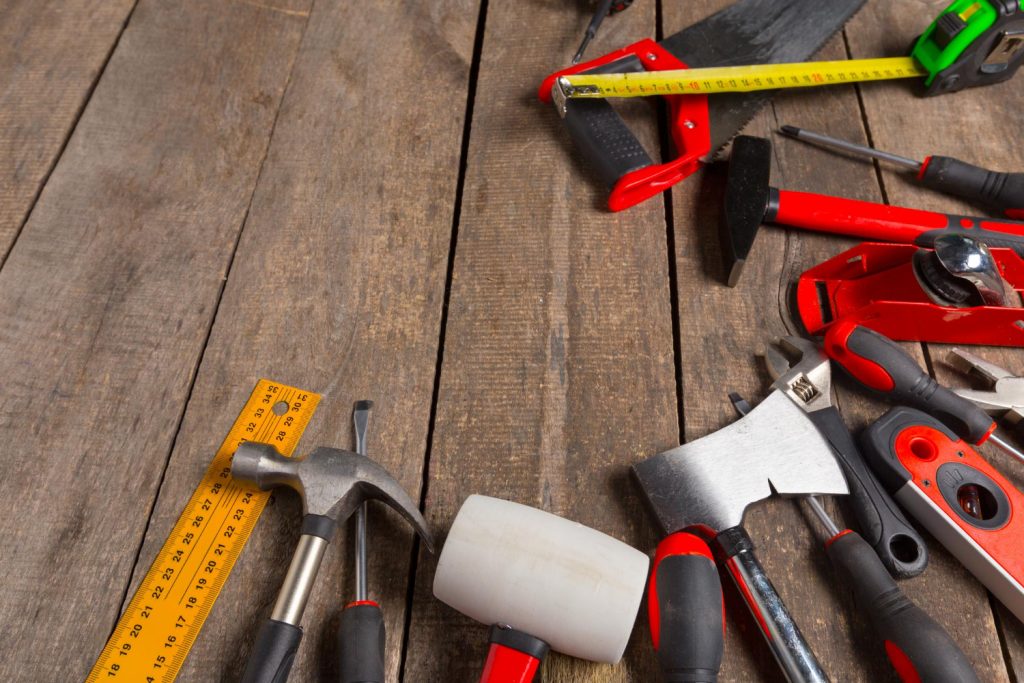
(704, 487)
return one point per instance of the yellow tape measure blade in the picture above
(163, 619)
(713, 80)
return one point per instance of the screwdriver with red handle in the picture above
(879, 364)
(1003, 192)
(919, 649)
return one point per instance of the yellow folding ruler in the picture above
(156, 631)
(737, 78)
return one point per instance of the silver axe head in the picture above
(710, 482)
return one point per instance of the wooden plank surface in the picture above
(51, 53)
(336, 287)
(558, 368)
(265, 189)
(107, 300)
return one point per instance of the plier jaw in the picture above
(1005, 394)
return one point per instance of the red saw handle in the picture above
(609, 146)
(685, 610)
(881, 222)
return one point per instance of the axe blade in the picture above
(710, 482)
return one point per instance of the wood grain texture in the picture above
(51, 53)
(336, 287)
(107, 299)
(558, 369)
(757, 310)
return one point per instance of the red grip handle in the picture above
(507, 665)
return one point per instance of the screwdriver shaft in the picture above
(361, 419)
(852, 147)
(1006, 446)
(823, 516)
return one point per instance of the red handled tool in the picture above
(1003, 192)
(882, 366)
(751, 201)
(954, 493)
(891, 289)
(685, 610)
(746, 32)
(919, 649)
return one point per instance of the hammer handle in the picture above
(273, 654)
(514, 656)
(782, 634)
(881, 222)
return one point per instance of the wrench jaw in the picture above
(801, 371)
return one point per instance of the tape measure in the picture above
(156, 631)
(737, 78)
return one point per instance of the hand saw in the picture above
(747, 32)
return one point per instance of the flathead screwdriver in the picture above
(918, 648)
(361, 625)
(1003, 192)
(603, 9)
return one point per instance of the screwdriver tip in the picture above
(791, 131)
(363, 405)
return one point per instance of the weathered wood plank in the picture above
(51, 53)
(337, 286)
(107, 299)
(971, 125)
(756, 311)
(558, 366)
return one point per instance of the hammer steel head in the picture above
(709, 483)
(331, 482)
(747, 195)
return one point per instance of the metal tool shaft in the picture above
(823, 516)
(298, 582)
(787, 644)
(361, 419)
(1006, 446)
(852, 147)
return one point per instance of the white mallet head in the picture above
(569, 585)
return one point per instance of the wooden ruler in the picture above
(738, 78)
(156, 631)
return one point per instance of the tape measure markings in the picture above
(155, 633)
(737, 78)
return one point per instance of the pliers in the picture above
(1005, 396)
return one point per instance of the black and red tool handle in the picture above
(898, 545)
(1004, 192)
(685, 610)
(513, 657)
(361, 636)
(881, 365)
(920, 650)
(884, 223)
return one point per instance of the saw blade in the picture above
(756, 32)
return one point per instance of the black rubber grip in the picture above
(915, 643)
(273, 653)
(1001, 191)
(603, 138)
(898, 545)
(688, 597)
(865, 354)
(361, 644)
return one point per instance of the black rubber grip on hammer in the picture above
(1001, 191)
(273, 653)
(361, 636)
(898, 545)
(918, 647)
(603, 138)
